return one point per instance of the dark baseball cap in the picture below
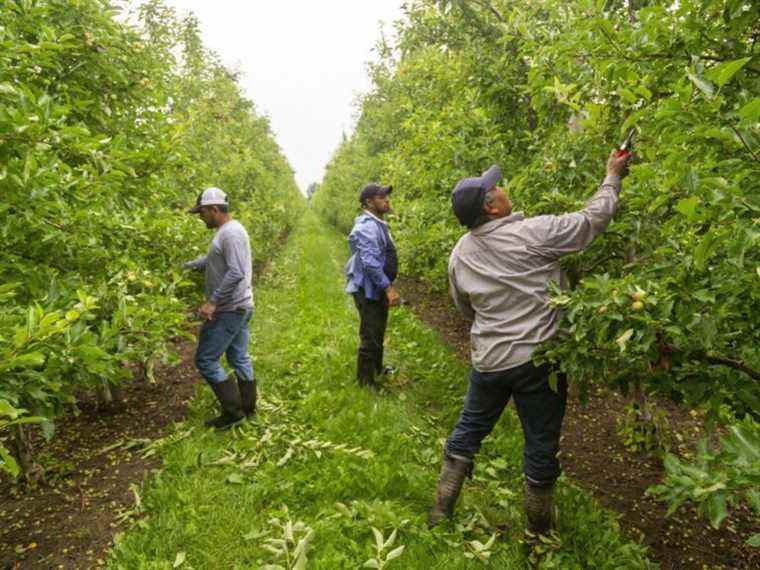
(374, 189)
(469, 193)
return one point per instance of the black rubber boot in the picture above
(365, 373)
(229, 397)
(538, 508)
(247, 396)
(454, 470)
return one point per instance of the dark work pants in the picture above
(373, 318)
(541, 411)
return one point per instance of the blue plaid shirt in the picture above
(369, 240)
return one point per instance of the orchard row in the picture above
(110, 125)
(667, 301)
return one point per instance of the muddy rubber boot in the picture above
(229, 397)
(454, 470)
(247, 396)
(538, 508)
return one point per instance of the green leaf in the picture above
(723, 72)
(705, 249)
(28, 360)
(477, 545)
(754, 540)
(300, 563)
(72, 315)
(285, 458)
(716, 509)
(702, 84)
(235, 478)
(48, 429)
(646, 93)
(379, 540)
(628, 95)
(179, 560)
(688, 207)
(623, 339)
(753, 499)
(9, 411)
(395, 553)
(8, 463)
(371, 563)
(751, 111)
(7, 89)
(391, 539)
(254, 534)
(553, 381)
(29, 420)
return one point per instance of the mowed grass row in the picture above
(325, 462)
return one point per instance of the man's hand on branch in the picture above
(618, 165)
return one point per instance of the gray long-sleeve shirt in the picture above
(499, 276)
(228, 268)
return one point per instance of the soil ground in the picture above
(594, 456)
(69, 520)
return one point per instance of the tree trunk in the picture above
(110, 395)
(22, 448)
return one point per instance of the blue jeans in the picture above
(226, 333)
(541, 411)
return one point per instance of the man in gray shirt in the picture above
(226, 311)
(499, 274)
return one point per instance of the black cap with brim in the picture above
(469, 194)
(371, 190)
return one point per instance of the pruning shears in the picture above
(626, 148)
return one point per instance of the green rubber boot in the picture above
(454, 471)
(538, 508)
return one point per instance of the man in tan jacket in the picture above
(499, 274)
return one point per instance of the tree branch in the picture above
(613, 43)
(740, 365)
(490, 8)
(744, 142)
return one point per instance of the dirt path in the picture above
(69, 520)
(593, 455)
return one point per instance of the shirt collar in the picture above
(491, 225)
(371, 215)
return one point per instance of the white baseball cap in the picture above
(209, 197)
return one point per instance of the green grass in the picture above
(340, 460)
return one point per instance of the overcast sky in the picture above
(303, 63)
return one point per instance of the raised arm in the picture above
(557, 236)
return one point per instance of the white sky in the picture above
(303, 63)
